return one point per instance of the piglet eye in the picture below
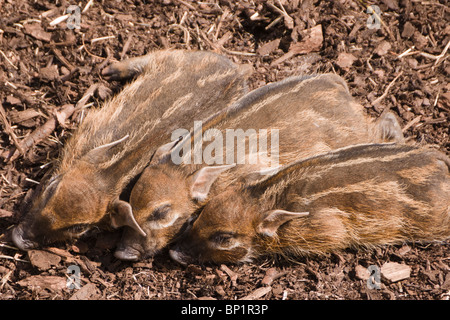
(161, 212)
(78, 228)
(222, 238)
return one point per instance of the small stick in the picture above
(89, 93)
(411, 123)
(42, 132)
(85, 48)
(8, 247)
(274, 22)
(376, 101)
(13, 258)
(87, 6)
(106, 61)
(219, 47)
(31, 180)
(271, 275)
(187, 5)
(407, 52)
(102, 38)
(9, 130)
(219, 25)
(183, 18)
(69, 75)
(59, 20)
(437, 98)
(63, 60)
(9, 61)
(186, 34)
(287, 18)
(439, 57)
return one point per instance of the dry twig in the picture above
(8, 129)
(42, 132)
(378, 100)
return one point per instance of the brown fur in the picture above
(354, 197)
(314, 115)
(172, 89)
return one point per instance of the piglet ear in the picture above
(100, 154)
(245, 70)
(122, 215)
(388, 129)
(204, 178)
(164, 150)
(275, 218)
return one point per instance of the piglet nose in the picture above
(127, 254)
(20, 240)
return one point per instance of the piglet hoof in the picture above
(115, 71)
(20, 241)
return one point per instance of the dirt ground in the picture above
(402, 65)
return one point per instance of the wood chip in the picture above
(64, 113)
(49, 73)
(52, 283)
(271, 275)
(221, 291)
(258, 293)
(64, 254)
(43, 260)
(408, 30)
(21, 116)
(383, 48)
(403, 250)
(312, 40)
(362, 273)
(233, 276)
(13, 100)
(345, 60)
(35, 30)
(268, 47)
(5, 213)
(87, 292)
(393, 271)
(391, 4)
